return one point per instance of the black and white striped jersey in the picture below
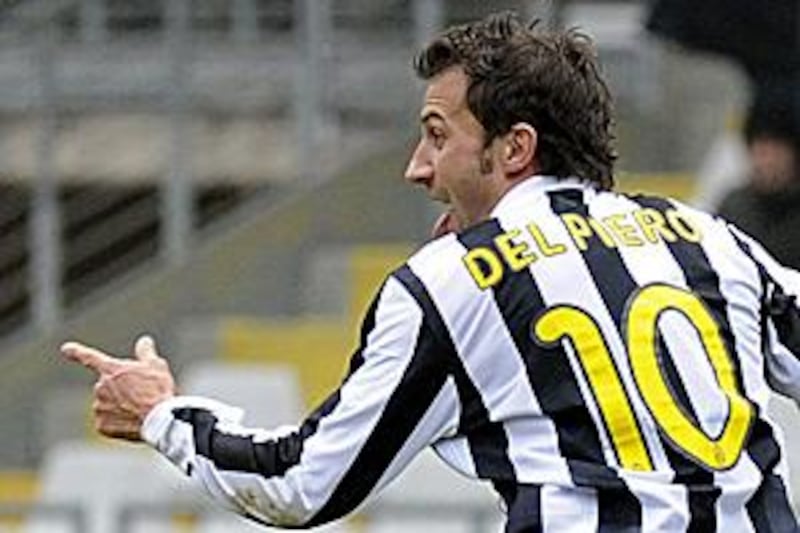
(604, 360)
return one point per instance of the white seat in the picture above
(428, 480)
(103, 479)
(431, 497)
(269, 394)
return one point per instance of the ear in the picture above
(519, 150)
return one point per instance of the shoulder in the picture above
(446, 253)
(676, 210)
(432, 264)
(439, 268)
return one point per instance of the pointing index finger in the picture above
(89, 357)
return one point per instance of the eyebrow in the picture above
(429, 115)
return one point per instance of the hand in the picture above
(446, 223)
(126, 389)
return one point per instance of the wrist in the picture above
(156, 421)
(160, 418)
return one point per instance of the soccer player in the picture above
(604, 360)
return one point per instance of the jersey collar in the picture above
(536, 185)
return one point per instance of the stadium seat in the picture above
(269, 394)
(105, 480)
(431, 497)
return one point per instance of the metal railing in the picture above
(67, 59)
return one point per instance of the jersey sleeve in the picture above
(397, 399)
(781, 313)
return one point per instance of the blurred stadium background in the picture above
(226, 174)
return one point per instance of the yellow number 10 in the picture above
(641, 324)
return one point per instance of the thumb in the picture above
(145, 348)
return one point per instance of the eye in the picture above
(437, 136)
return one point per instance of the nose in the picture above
(420, 168)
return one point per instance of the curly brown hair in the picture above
(548, 79)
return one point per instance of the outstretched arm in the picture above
(398, 398)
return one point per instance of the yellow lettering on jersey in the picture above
(546, 248)
(653, 225)
(516, 255)
(598, 365)
(484, 266)
(642, 327)
(602, 232)
(624, 231)
(578, 228)
(683, 226)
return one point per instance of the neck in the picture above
(491, 195)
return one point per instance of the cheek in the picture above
(460, 159)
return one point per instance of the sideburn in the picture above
(486, 164)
